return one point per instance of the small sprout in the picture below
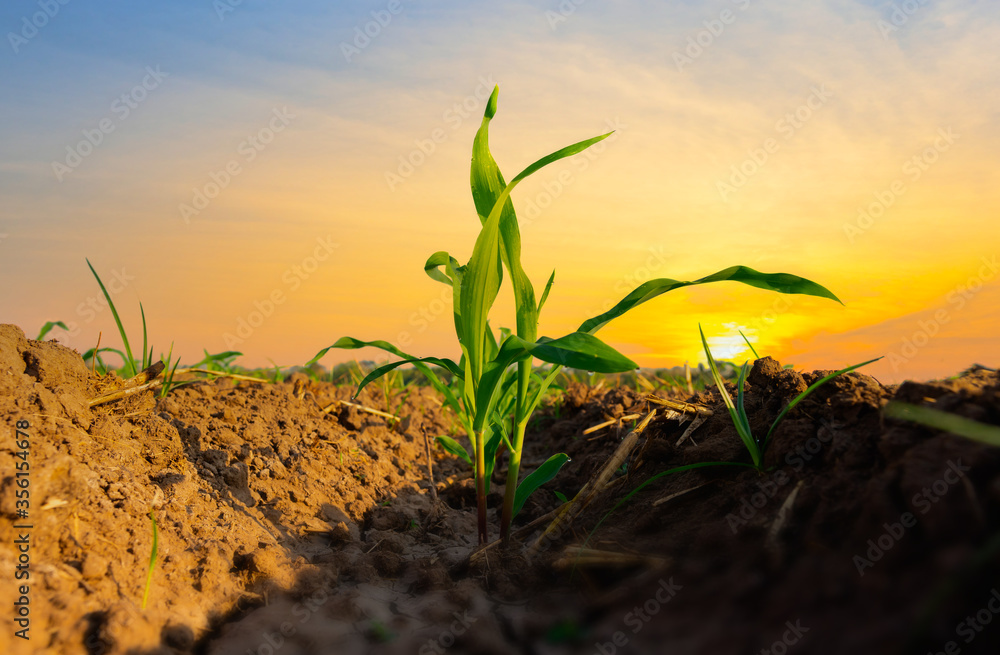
(738, 413)
(152, 560)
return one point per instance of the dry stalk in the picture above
(695, 424)
(328, 408)
(146, 379)
(783, 513)
(577, 556)
(610, 422)
(596, 485)
(677, 495)
(683, 408)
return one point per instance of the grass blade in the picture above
(740, 409)
(812, 387)
(752, 349)
(147, 353)
(152, 560)
(741, 427)
(48, 328)
(651, 480)
(945, 421)
(130, 361)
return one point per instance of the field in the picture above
(281, 528)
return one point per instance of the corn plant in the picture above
(737, 411)
(491, 368)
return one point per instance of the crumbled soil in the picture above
(286, 530)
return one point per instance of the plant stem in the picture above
(514, 465)
(481, 486)
(513, 470)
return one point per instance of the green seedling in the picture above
(935, 418)
(131, 367)
(152, 560)
(496, 373)
(738, 413)
(169, 371)
(222, 362)
(48, 328)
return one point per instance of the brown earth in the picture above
(284, 531)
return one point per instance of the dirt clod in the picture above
(285, 528)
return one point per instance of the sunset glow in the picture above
(264, 180)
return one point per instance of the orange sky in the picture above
(826, 114)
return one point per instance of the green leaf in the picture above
(481, 281)
(946, 421)
(152, 560)
(130, 361)
(545, 293)
(548, 470)
(649, 481)
(812, 387)
(454, 448)
(218, 358)
(750, 345)
(742, 428)
(780, 282)
(452, 275)
(740, 409)
(583, 351)
(48, 328)
(488, 185)
(386, 368)
(577, 349)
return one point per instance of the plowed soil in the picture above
(284, 530)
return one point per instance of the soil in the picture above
(284, 530)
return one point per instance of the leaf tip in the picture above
(491, 106)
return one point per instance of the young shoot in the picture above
(493, 388)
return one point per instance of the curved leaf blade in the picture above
(780, 282)
(548, 470)
(741, 427)
(48, 328)
(945, 421)
(487, 185)
(385, 368)
(812, 387)
(455, 448)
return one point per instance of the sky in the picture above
(268, 177)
